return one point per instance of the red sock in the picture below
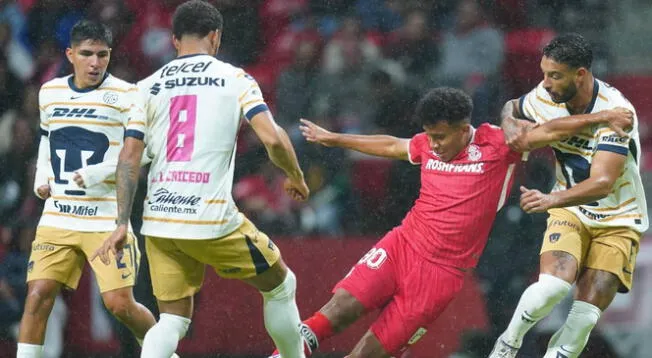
(320, 325)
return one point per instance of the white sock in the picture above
(162, 339)
(571, 338)
(282, 319)
(536, 302)
(26, 350)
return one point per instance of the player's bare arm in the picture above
(127, 172)
(606, 167)
(378, 145)
(281, 153)
(513, 122)
(619, 119)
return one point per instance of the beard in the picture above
(565, 96)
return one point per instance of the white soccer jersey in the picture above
(82, 130)
(194, 106)
(625, 205)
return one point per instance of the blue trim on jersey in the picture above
(134, 134)
(254, 111)
(613, 148)
(580, 166)
(44, 132)
(521, 105)
(71, 83)
(596, 89)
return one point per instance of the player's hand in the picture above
(534, 201)
(297, 189)
(79, 180)
(316, 134)
(112, 245)
(43, 191)
(620, 120)
(515, 129)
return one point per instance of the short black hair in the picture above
(90, 30)
(571, 49)
(444, 104)
(196, 17)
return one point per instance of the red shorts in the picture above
(410, 291)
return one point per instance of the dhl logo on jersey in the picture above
(63, 112)
(580, 143)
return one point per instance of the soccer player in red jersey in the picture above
(417, 268)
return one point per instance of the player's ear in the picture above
(581, 72)
(216, 39)
(175, 41)
(69, 54)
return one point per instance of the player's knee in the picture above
(119, 307)
(285, 290)
(173, 324)
(555, 288)
(342, 310)
(40, 298)
(597, 288)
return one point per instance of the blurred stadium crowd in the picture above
(356, 66)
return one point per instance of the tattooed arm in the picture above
(127, 177)
(126, 182)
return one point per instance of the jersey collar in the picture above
(596, 90)
(71, 83)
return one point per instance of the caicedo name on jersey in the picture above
(190, 80)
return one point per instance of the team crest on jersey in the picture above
(474, 153)
(110, 98)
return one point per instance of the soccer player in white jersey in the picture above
(83, 121)
(194, 106)
(597, 209)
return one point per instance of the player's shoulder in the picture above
(419, 139)
(487, 130)
(488, 134)
(116, 84)
(541, 98)
(609, 96)
(58, 83)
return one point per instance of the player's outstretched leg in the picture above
(121, 303)
(278, 286)
(163, 338)
(369, 347)
(595, 291)
(41, 295)
(558, 270)
(340, 312)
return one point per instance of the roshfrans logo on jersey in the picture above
(80, 210)
(440, 166)
(166, 201)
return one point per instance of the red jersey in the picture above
(451, 220)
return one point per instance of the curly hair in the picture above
(196, 17)
(570, 49)
(90, 30)
(444, 104)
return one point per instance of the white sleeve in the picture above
(43, 167)
(250, 98)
